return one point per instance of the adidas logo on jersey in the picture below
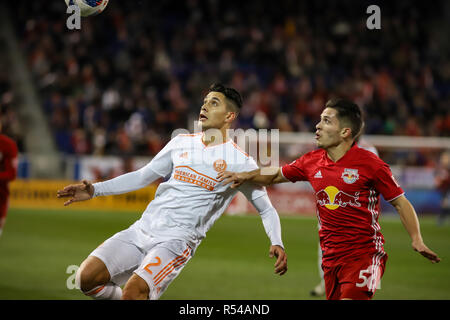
(318, 174)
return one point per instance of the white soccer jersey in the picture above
(191, 200)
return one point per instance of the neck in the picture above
(214, 136)
(337, 152)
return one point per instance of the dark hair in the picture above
(230, 93)
(348, 114)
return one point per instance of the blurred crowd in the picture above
(140, 70)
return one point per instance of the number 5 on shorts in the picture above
(152, 264)
(368, 280)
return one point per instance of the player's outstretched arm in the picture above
(272, 226)
(76, 192)
(261, 176)
(410, 221)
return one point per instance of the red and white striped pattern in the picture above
(378, 242)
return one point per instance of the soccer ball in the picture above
(88, 7)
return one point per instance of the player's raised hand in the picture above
(281, 263)
(421, 248)
(235, 178)
(76, 192)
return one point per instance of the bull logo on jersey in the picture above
(350, 175)
(333, 198)
(220, 165)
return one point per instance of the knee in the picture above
(91, 274)
(133, 294)
(85, 279)
(135, 289)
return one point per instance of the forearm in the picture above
(270, 219)
(265, 176)
(272, 226)
(410, 221)
(408, 218)
(125, 183)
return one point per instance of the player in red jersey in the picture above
(8, 171)
(319, 289)
(348, 181)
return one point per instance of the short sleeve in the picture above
(294, 171)
(385, 183)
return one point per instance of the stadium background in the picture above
(103, 100)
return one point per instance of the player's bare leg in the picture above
(94, 280)
(136, 289)
(92, 273)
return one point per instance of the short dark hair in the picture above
(230, 93)
(348, 114)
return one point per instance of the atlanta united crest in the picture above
(350, 175)
(220, 165)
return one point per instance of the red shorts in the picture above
(356, 279)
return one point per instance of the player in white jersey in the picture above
(148, 255)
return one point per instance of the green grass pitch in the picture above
(37, 247)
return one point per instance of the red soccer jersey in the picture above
(348, 200)
(8, 164)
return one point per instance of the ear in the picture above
(346, 133)
(230, 117)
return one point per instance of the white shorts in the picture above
(157, 262)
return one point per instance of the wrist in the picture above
(278, 245)
(95, 191)
(417, 238)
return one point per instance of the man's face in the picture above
(214, 112)
(328, 133)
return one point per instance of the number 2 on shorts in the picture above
(152, 264)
